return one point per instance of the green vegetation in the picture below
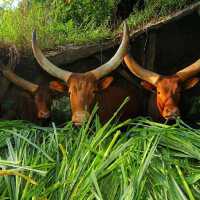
(56, 22)
(156, 9)
(147, 161)
(79, 21)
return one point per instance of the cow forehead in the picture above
(168, 82)
(82, 81)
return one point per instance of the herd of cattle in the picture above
(95, 86)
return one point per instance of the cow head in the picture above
(82, 88)
(40, 93)
(167, 88)
(43, 101)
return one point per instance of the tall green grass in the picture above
(145, 160)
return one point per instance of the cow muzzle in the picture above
(171, 113)
(43, 114)
(79, 117)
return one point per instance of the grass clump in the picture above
(147, 160)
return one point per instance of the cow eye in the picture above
(158, 92)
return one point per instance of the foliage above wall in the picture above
(77, 21)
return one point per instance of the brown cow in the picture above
(85, 89)
(33, 103)
(167, 88)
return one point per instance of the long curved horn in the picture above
(189, 71)
(46, 64)
(26, 85)
(139, 71)
(115, 61)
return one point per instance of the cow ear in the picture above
(104, 83)
(147, 86)
(190, 83)
(57, 86)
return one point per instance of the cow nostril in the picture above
(43, 114)
(167, 110)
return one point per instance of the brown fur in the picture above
(85, 90)
(26, 106)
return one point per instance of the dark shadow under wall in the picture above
(178, 44)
